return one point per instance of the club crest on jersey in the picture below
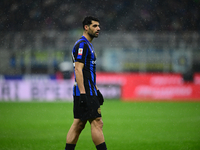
(99, 110)
(80, 51)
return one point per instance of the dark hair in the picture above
(88, 20)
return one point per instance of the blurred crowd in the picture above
(129, 15)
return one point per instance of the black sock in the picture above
(101, 146)
(70, 146)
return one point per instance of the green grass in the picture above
(127, 126)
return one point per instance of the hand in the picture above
(83, 100)
(100, 96)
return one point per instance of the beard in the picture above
(92, 35)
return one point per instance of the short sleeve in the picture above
(81, 52)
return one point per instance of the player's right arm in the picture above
(78, 56)
(79, 76)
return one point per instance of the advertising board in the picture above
(124, 86)
(46, 89)
(154, 86)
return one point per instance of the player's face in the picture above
(94, 29)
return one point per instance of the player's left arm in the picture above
(100, 96)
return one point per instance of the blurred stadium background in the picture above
(155, 42)
(147, 50)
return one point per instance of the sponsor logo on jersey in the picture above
(80, 51)
(94, 62)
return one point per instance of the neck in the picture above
(88, 37)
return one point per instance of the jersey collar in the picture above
(85, 38)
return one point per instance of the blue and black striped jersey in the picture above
(83, 52)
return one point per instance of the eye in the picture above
(95, 25)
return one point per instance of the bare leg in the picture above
(97, 131)
(75, 131)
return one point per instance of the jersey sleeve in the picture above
(80, 52)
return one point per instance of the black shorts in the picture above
(91, 111)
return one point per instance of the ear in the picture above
(86, 27)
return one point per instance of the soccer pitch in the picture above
(127, 126)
